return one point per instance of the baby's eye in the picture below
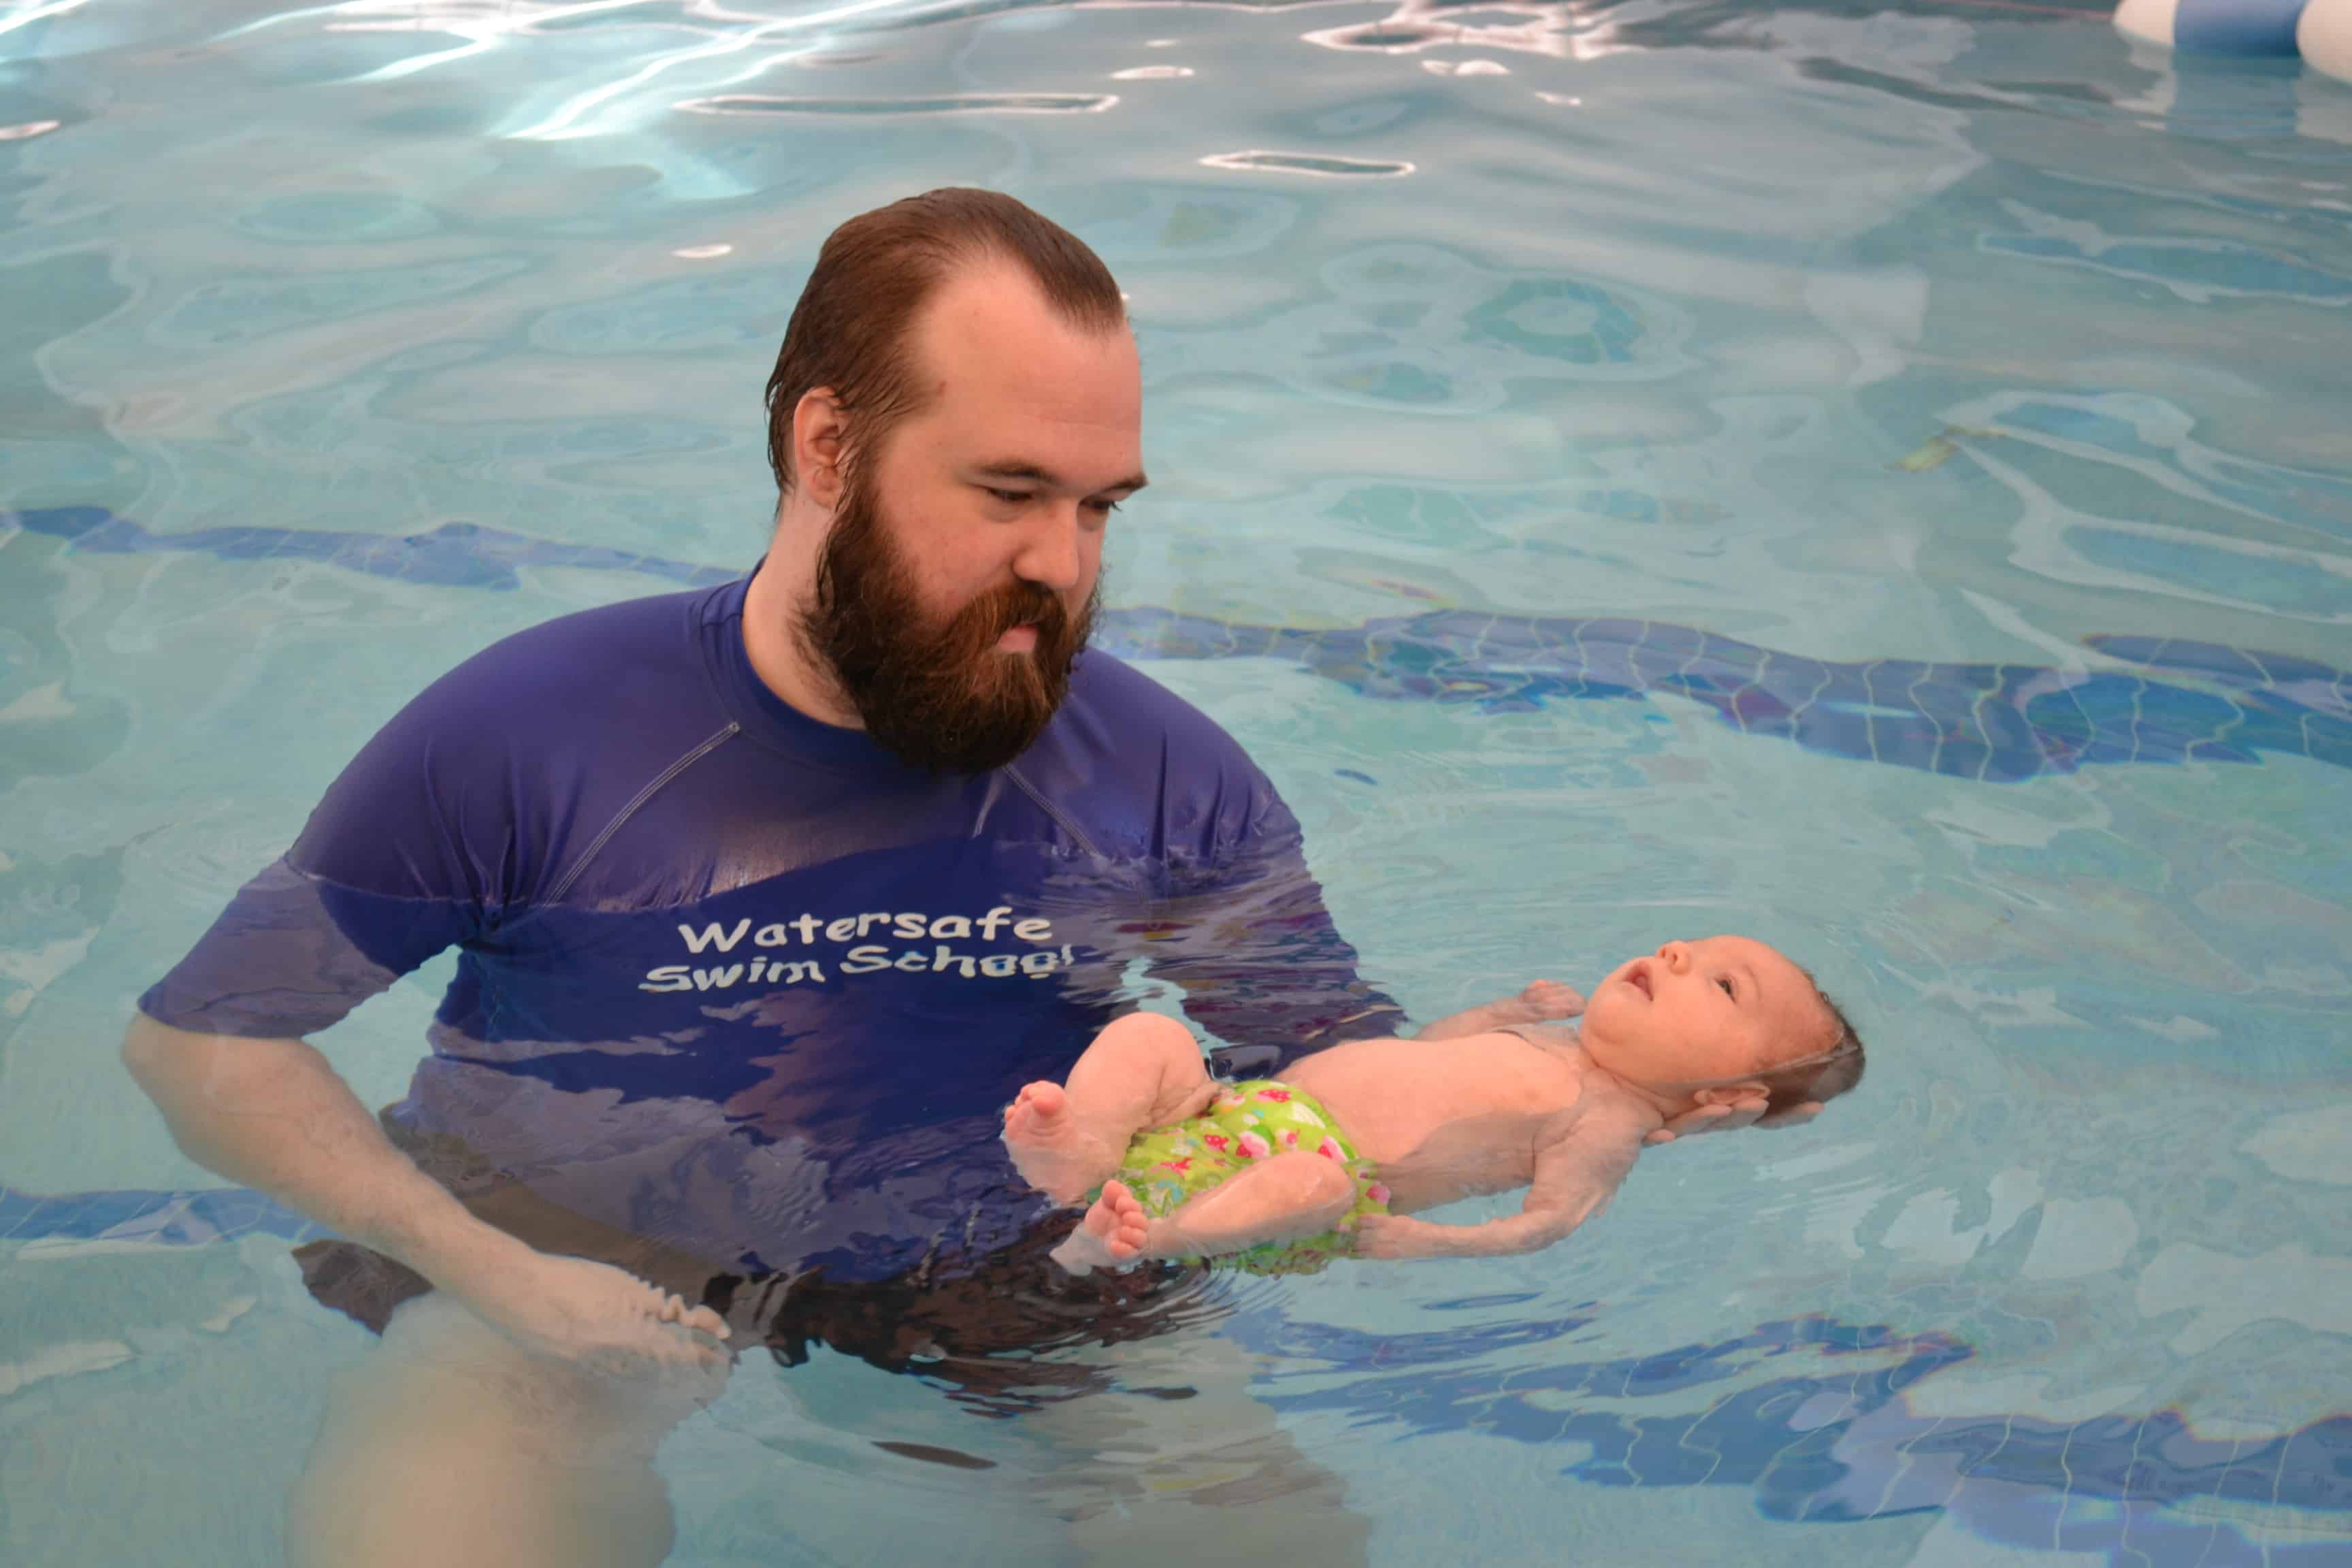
(1727, 991)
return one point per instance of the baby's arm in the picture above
(1576, 1175)
(1542, 1001)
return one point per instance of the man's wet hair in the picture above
(852, 330)
(1822, 1075)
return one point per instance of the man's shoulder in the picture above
(561, 717)
(630, 674)
(632, 644)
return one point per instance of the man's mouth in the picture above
(1018, 639)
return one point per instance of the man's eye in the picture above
(1011, 498)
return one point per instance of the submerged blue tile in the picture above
(1998, 723)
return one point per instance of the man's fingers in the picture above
(1704, 1118)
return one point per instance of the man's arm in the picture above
(408, 853)
(273, 1115)
(1575, 1177)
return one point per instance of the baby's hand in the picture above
(1395, 1236)
(1550, 999)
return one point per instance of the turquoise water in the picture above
(1892, 346)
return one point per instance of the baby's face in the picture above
(1705, 1014)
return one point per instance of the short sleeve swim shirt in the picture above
(741, 981)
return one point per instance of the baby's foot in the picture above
(1110, 1237)
(1051, 1150)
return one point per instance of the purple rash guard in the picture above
(742, 983)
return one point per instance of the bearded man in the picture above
(712, 861)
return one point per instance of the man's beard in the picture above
(938, 694)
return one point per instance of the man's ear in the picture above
(1732, 1093)
(818, 430)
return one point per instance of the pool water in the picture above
(1873, 478)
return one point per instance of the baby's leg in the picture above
(1144, 1070)
(1288, 1198)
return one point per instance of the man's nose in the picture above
(1676, 956)
(1049, 551)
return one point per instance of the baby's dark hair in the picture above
(1822, 1075)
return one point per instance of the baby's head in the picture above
(1725, 1018)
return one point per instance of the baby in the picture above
(1335, 1157)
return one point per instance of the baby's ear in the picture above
(1731, 1093)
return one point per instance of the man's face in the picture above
(957, 583)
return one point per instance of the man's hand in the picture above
(272, 1114)
(1731, 1118)
(591, 1315)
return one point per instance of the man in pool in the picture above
(1334, 1156)
(766, 898)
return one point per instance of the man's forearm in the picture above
(273, 1115)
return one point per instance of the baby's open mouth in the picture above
(1638, 977)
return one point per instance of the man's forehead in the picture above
(1008, 375)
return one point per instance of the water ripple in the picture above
(959, 103)
(1318, 163)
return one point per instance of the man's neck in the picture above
(773, 608)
